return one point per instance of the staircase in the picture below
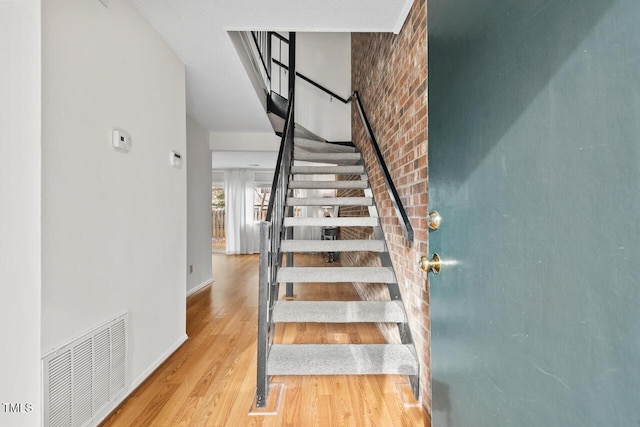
(298, 158)
(338, 359)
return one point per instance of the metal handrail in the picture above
(281, 153)
(403, 218)
(262, 43)
(317, 85)
(272, 231)
(259, 35)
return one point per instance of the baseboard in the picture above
(200, 286)
(140, 379)
(144, 375)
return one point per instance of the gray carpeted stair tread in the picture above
(335, 274)
(341, 359)
(339, 311)
(329, 201)
(332, 245)
(363, 221)
(333, 170)
(337, 158)
(321, 147)
(359, 184)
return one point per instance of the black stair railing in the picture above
(401, 213)
(263, 45)
(273, 48)
(313, 83)
(272, 232)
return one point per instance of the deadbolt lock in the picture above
(433, 264)
(433, 220)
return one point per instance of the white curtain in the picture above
(241, 230)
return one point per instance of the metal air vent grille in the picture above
(83, 377)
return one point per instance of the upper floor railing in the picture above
(273, 51)
(272, 232)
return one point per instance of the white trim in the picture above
(403, 16)
(100, 417)
(200, 286)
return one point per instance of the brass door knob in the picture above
(432, 264)
(433, 220)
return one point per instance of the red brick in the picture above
(390, 73)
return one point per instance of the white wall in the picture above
(198, 207)
(114, 224)
(20, 262)
(326, 59)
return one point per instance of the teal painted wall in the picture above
(534, 142)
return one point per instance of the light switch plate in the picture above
(121, 140)
(175, 159)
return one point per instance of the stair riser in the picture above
(324, 170)
(339, 158)
(338, 201)
(340, 359)
(335, 275)
(311, 246)
(321, 147)
(329, 185)
(338, 312)
(332, 222)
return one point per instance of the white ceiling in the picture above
(219, 94)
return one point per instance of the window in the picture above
(218, 235)
(261, 202)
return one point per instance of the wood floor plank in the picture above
(210, 380)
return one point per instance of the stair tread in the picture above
(359, 184)
(332, 245)
(333, 170)
(341, 359)
(335, 274)
(339, 311)
(337, 158)
(363, 221)
(329, 201)
(315, 146)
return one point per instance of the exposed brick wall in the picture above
(390, 73)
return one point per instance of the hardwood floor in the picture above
(210, 380)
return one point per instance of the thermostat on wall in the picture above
(121, 140)
(175, 159)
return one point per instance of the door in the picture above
(534, 166)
